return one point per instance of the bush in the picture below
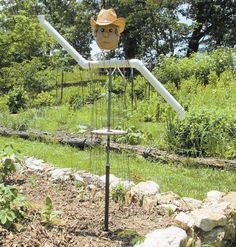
(119, 85)
(44, 99)
(29, 74)
(208, 133)
(8, 157)
(134, 136)
(76, 101)
(200, 65)
(118, 193)
(12, 205)
(17, 100)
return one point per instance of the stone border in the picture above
(209, 222)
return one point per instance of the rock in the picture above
(230, 231)
(78, 178)
(60, 174)
(231, 198)
(126, 184)
(167, 237)
(167, 198)
(191, 203)
(91, 187)
(214, 237)
(217, 207)
(35, 165)
(92, 179)
(185, 221)
(142, 189)
(148, 188)
(207, 220)
(167, 209)
(128, 198)
(112, 179)
(214, 196)
(149, 202)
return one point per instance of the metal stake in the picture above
(108, 152)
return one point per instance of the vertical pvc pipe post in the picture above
(107, 192)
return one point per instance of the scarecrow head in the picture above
(107, 29)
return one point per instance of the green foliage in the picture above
(134, 136)
(17, 100)
(20, 121)
(48, 215)
(32, 75)
(76, 101)
(119, 85)
(118, 193)
(139, 88)
(204, 132)
(44, 99)
(12, 205)
(134, 237)
(8, 157)
(174, 70)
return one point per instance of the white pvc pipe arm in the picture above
(116, 63)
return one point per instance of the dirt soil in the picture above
(81, 217)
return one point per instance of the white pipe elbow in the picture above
(81, 61)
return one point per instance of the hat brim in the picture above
(120, 23)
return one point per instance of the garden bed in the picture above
(80, 216)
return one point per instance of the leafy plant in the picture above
(134, 237)
(76, 101)
(17, 100)
(44, 99)
(118, 193)
(209, 133)
(8, 157)
(48, 215)
(134, 136)
(12, 205)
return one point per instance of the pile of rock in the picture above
(211, 222)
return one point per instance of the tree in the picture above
(214, 23)
(21, 36)
(73, 23)
(152, 28)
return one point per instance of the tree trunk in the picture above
(193, 44)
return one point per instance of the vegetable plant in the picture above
(13, 206)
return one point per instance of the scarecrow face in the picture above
(107, 37)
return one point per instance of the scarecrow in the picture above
(107, 29)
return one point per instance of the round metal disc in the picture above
(110, 132)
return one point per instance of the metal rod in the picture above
(107, 192)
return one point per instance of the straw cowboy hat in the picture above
(107, 17)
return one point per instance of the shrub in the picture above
(200, 65)
(118, 193)
(30, 74)
(139, 88)
(44, 99)
(208, 133)
(134, 136)
(48, 215)
(119, 85)
(12, 205)
(76, 101)
(17, 100)
(8, 157)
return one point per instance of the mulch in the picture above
(80, 220)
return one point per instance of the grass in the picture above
(183, 180)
